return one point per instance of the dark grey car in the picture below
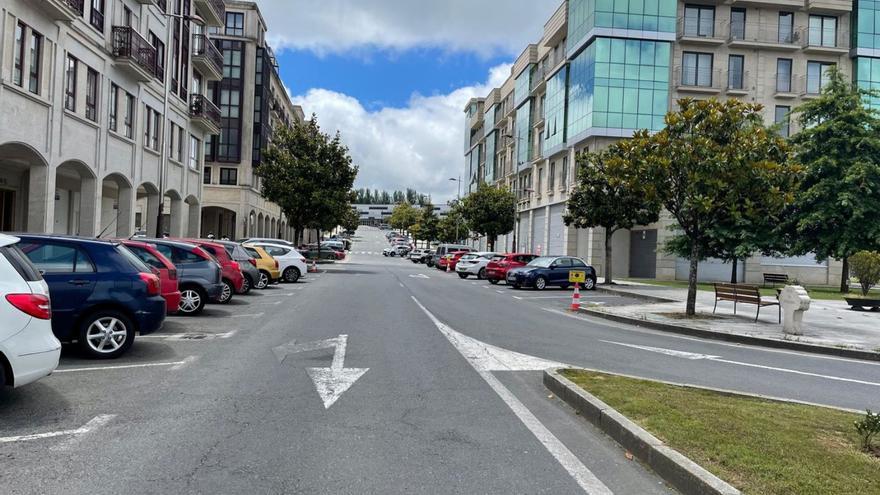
(198, 274)
(245, 261)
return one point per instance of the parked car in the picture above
(102, 294)
(246, 263)
(416, 255)
(544, 271)
(311, 252)
(199, 274)
(336, 244)
(28, 349)
(442, 250)
(389, 251)
(163, 267)
(266, 239)
(453, 258)
(427, 254)
(292, 263)
(269, 268)
(233, 279)
(473, 264)
(497, 268)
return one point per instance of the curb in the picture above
(740, 339)
(635, 295)
(676, 469)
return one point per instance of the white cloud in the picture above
(487, 27)
(419, 145)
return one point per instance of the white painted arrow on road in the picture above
(668, 352)
(330, 382)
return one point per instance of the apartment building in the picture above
(253, 101)
(103, 115)
(605, 68)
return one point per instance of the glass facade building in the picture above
(636, 15)
(489, 174)
(521, 88)
(523, 128)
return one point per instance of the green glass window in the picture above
(867, 24)
(521, 88)
(642, 15)
(489, 174)
(554, 110)
(867, 76)
(523, 128)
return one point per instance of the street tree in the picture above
(612, 192)
(310, 175)
(716, 168)
(429, 223)
(838, 203)
(351, 220)
(403, 216)
(453, 226)
(489, 211)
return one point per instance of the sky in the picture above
(393, 76)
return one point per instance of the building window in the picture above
(737, 24)
(195, 147)
(228, 176)
(126, 16)
(92, 83)
(783, 75)
(130, 109)
(18, 65)
(175, 144)
(699, 21)
(235, 24)
(97, 17)
(206, 175)
(564, 180)
(786, 27)
(823, 31)
(735, 72)
(817, 76)
(152, 127)
(114, 107)
(551, 177)
(160, 55)
(35, 62)
(696, 69)
(783, 120)
(70, 84)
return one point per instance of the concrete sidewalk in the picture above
(827, 323)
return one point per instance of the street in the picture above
(375, 375)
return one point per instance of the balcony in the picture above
(756, 35)
(830, 6)
(772, 4)
(212, 11)
(692, 80)
(63, 10)
(786, 87)
(694, 32)
(817, 42)
(538, 81)
(135, 55)
(737, 83)
(204, 114)
(207, 59)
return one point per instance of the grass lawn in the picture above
(823, 292)
(759, 446)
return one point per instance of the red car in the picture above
(454, 257)
(233, 279)
(496, 270)
(164, 269)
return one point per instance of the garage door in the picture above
(556, 243)
(538, 244)
(522, 236)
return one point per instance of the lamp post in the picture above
(458, 217)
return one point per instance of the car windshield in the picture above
(542, 262)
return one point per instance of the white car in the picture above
(474, 264)
(416, 255)
(26, 339)
(291, 263)
(254, 240)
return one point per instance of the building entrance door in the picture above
(7, 210)
(643, 254)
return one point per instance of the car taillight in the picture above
(235, 266)
(172, 274)
(152, 282)
(277, 265)
(253, 262)
(36, 305)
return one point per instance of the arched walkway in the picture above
(76, 188)
(218, 221)
(24, 189)
(147, 209)
(251, 225)
(273, 232)
(117, 207)
(173, 214)
(261, 227)
(194, 216)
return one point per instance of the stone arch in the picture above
(251, 230)
(147, 209)
(117, 207)
(194, 216)
(273, 231)
(172, 214)
(24, 189)
(76, 200)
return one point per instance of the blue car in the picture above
(101, 293)
(547, 271)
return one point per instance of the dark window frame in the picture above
(784, 88)
(113, 112)
(235, 28)
(93, 89)
(70, 74)
(19, 38)
(34, 65)
(228, 176)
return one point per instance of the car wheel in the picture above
(590, 284)
(264, 281)
(462, 275)
(540, 283)
(291, 275)
(3, 383)
(481, 275)
(192, 301)
(493, 281)
(106, 334)
(226, 293)
(247, 285)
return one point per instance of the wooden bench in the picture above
(775, 278)
(746, 294)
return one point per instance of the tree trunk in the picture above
(318, 234)
(608, 257)
(733, 271)
(691, 309)
(844, 277)
(490, 243)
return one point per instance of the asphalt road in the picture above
(447, 396)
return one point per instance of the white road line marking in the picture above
(191, 336)
(401, 284)
(581, 474)
(253, 315)
(276, 303)
(120, 367)
(517, 297)
(95, 422)
(668, 352)
(500, 291)
(186, 362)
(331, 382)
(88, 428)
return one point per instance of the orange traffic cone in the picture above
(448, 264)
(576, 298)
(314, 267)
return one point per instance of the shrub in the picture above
(868, 428)
(865, 266)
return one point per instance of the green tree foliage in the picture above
(351, 220)
(428, 224)
(612, 192)
(452, 227)
(403, 216)
(376, 197)
(717, 170)
(489, 211)
(838, 206)
(309, 175)
(865, 266)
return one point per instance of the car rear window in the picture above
(21, 263)
(253, 252)
(132, 258)
(147, 257)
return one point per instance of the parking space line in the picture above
(94, 423)
(190, 336)
(276, 303)
(252, 315)
(125, 366)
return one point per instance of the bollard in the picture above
(576, 298)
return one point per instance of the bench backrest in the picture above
(775, 277)
(737, 292)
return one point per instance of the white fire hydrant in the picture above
(794, 301)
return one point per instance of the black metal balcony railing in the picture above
(202, 107)
(204, 47)
(128, 43)
(77, 6)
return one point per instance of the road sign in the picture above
(577, 276)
